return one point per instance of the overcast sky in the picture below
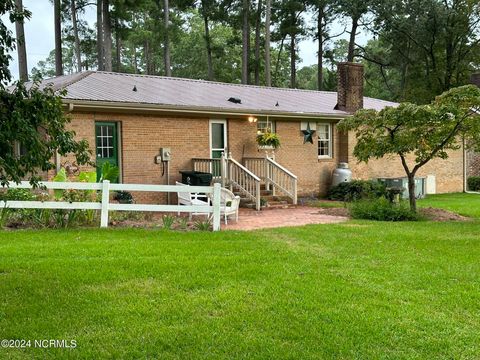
(40, 40)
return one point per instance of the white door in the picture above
(218, 138)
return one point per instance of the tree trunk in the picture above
(277, 64)
(411, 192)
(118, 47)
(320, 49)
(411, 182)
(209, 46)
(268, 13)
(21, 45)
(135, 60)
(100, 35)
(245, 42)
(146, 53)
(293, 60)
(58, 38)
(78, 55)
(351, 43)
(257, 42)
(107, 35)
(166, 41)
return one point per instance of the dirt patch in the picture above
(435, 214)
(339, 211)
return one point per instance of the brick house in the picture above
(127, 118)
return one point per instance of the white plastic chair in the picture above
(189, 199)
(229, 204)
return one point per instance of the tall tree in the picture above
(291, 25)
(107, 35)
(100, 55)
(24, 111)
(245, 42)
(268, 14)
(206, 7)
(324, 10)
(21, 44)
(430, 45)
(258, 24)
(78, 54)
(58, 38)
(166, 41)
(354, 10)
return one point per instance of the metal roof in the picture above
(109, 87)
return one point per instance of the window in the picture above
(105, 141)
(324, 132)
(264, 126)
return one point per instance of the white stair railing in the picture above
(244, 181)
(275, 176)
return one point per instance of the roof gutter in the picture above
(105, 106)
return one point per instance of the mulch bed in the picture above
(429, 213)
(435, 214)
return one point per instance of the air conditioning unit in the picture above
(420, 185)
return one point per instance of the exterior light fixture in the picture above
(252, 119)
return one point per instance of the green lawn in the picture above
(463, 204)
(356, 290)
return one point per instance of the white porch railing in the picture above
(105, 206)
(275, 176)
(212, 166)
(232, 174)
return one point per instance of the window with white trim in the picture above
(264, 126)
(324, 133)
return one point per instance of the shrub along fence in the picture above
(105, 206)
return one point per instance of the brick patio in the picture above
(251, 219)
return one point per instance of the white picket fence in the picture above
(105, 206)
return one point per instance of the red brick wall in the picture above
(448, 173)
(141, 139)
(142, 136)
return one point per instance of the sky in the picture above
(39, 34)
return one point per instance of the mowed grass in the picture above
(461, 203)
(359, 290)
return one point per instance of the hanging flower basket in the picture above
(268, 141)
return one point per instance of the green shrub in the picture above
(382, 209)
(203, 225)
(123, 197)
(357, 189)
(182, 223)
(473, 183)
(168, 221)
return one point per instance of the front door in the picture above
(106, 139)
(218, 141)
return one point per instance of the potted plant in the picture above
(268, 140)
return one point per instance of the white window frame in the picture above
(268, 123)
(225, 135)
(330, 140)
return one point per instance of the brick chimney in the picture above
(350, 86)
(475, 79)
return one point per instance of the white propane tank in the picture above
(341, 174)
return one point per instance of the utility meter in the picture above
(166, 154)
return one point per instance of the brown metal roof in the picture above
(190, 94)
